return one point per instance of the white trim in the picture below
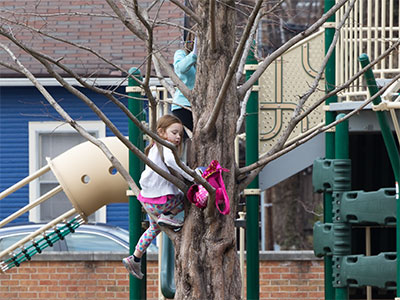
(35, 128)
(111, 81)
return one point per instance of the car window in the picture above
(8, 241)
(80, 241)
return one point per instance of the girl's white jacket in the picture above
(154, 185)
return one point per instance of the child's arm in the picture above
(183, 62)
(169, 160)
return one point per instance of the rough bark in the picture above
(206, 261)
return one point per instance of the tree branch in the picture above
(232, 68)
(43, 59)
(295, 119)
(134, 28)
(187, 11)
(115, 162)
(250, 39)
(84, 48)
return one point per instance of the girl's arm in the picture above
(169, 160)
(183, 62)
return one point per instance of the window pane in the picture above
(91, 242)
(11, 240)
(53, 144)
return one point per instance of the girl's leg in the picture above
(147, 237)
(185, 116)
(173, 205)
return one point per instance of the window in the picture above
(48, 140)
(11, 240)
(81, 241)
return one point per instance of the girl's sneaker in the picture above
(170, 221)
(133, 267)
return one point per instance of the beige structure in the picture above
(281, 86)
(88, 178)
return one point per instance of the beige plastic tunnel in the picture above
(88, 178)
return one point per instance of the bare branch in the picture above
(160, 77)
(82, 47)
(250, 39)
(249, 43)
(180, 184)
(187, 11)
(115, 162)
(172, 75)
(295, 119)
(232, 68)
(134, 28)
(60, 14)
(243, 105)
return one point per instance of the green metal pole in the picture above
(391, 149)
(137, 288)
(330, 83)
(252, 201)
(342, 152)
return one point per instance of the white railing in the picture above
(373, 26)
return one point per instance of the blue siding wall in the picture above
(18, 106)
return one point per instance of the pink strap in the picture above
(213, 174)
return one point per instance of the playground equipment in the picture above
(89, 181)
(359, 208)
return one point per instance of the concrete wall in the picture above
(55, 276)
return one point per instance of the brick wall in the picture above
(67, 277)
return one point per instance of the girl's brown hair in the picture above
(162, 124)
(189, 42)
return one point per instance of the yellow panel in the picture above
(281, 85)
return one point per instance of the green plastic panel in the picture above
(360, 270)
(332, 239)
(323, 239)
(358, 207)
(331, 175)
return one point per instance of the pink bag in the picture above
(198, 195)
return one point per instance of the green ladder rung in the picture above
(38, 246)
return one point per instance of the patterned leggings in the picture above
(175, 204)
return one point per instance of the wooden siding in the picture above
(18, 106)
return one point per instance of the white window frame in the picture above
(37, 128)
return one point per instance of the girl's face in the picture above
(173, 133)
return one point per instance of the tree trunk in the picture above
(206, 260)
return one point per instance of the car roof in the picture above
(99, 228)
